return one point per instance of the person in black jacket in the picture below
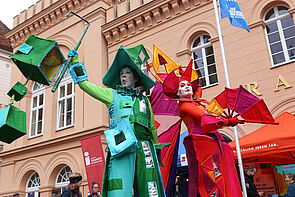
(250, 186)
(73, 188)
(290, 178)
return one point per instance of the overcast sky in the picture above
(11, 8)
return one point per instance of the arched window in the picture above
(204, 62)
(280, 32)
(32, 188)
(37, 110)
(66, 102)
(62, 179)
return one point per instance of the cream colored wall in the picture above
(5, 67)
(170, 24)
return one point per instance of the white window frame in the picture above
(278, 19)
(37, 93)
(202, 47)
(62, 185)
(64, 82)
(34, 190)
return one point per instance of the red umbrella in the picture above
(240, 102)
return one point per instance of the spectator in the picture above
(290, 178)
(16, 194)
(73, 188)
(95, 190)
(250, 186)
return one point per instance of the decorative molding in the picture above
(37, 18)
(157, 15)
(186, 4)
(257, 24)
(184, 52)
(166, 10)
(145, 17)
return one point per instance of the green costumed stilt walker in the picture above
(139, 169)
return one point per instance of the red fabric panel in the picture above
(188, 72)
(167, 153)
(231, 97)
(258, 113)
(221, 100)
(207, 149)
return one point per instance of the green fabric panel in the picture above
(12, 124)
(142, 121)
(18, 90)
(43, 61)
(144, 175)
(115, 184)
(40, 48)
(104, 95)
(135, 54)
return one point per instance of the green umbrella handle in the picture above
(70, 58)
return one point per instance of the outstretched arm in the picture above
(79, 75)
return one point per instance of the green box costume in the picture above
(140, 169)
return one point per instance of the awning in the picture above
(270, 143)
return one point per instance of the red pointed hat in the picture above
(171, 82)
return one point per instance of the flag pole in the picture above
(228, 85)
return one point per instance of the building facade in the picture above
(261, 60)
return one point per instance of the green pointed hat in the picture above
(132, 57)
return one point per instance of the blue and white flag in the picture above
(231, 9)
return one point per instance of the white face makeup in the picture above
(185, 90)
(127, 78)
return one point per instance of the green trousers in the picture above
(138, 170)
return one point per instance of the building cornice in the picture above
(41, 16)
(146, 17)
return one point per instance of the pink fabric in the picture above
(244, 100)
(160, 104)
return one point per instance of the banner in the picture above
(93, 159)
(231, 9)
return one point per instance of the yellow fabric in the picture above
(169, 66)
(214, 107)
(194, 75)
(212, 176)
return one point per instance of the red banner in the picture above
(93, 159)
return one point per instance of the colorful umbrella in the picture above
(240, 102)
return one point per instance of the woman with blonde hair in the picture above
(73, 188)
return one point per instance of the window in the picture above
(204, 62)
(280, 32)
(32, 189)
(62, 179)
(37, 110)
(66, 102)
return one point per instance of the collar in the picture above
(129, 91)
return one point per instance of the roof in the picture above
(5, 44)
(270, 143)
